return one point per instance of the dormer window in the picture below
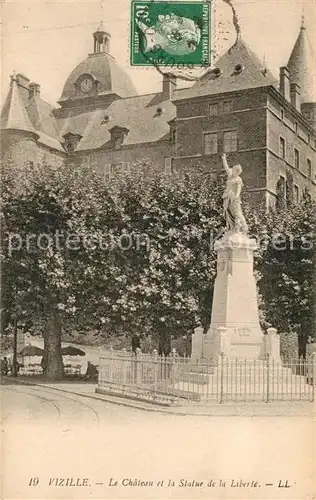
(70, 148)
(239, 68)
(71, 142)
(216, 72)
(117, 142)
(106, 119)
(118, 135)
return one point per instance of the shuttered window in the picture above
(210, 143)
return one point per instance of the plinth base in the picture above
(235, 329)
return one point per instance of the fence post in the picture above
(111, 371)
(222, 377)
(156, 368)
(124, 366)
(313, 370)
(173, 367)
(268, 376)
(138, 365)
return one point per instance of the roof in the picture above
(253, 74)
(30, 115)
(137, 114)
(40, 114)
(14, 115)
(302, 67)
(111, 77)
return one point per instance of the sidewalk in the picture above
(249, 409)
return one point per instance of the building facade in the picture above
(237, 107)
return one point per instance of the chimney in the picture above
(285, 83)
(34, 89)
(295, 96)
(22, 80)
(169, 84)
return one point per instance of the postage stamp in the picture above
(170, 33)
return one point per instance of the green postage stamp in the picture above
(170, 33)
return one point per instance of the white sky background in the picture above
(37, 39)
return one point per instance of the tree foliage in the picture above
(135, 254)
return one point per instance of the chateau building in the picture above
(237, 107)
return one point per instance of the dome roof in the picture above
(102, 67)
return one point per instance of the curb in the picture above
(107, 399)
(166, 410)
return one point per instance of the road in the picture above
(50, 434)
(29, 404)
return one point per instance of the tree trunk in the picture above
(52, 360)
(15, 344)
(164, 345)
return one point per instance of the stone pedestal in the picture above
(235, 328)
(197, 344)
(272, 344)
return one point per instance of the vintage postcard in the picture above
(158, 263)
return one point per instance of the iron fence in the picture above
(173, 379)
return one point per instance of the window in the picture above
(281, 186)
(210, 143)
(296, 127)
(282, 147)
(307, 115)
(118, 168)
(282, 113)
(118, 135)
(71, 141)
(118, 141)
(309, 168)
(173, 136)
(296, 193)
(227, 106)
(168, 166)
(230, 141)
(296, 158)
(107, 172)
(309, 138)
(70, 148)
(213, 109)
(105, 120)
(307, 195)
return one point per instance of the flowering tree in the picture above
(136, 254)
(51, 218)
(287, 267)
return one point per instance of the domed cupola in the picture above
(97, 76)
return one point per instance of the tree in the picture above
(136, 254)
(49, 217)
(286, 269)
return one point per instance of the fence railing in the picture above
(173, 379)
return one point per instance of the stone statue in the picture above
(235, 220)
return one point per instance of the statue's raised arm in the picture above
(225, 165)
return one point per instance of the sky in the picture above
(45, 40)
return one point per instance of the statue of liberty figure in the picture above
(235, 220)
